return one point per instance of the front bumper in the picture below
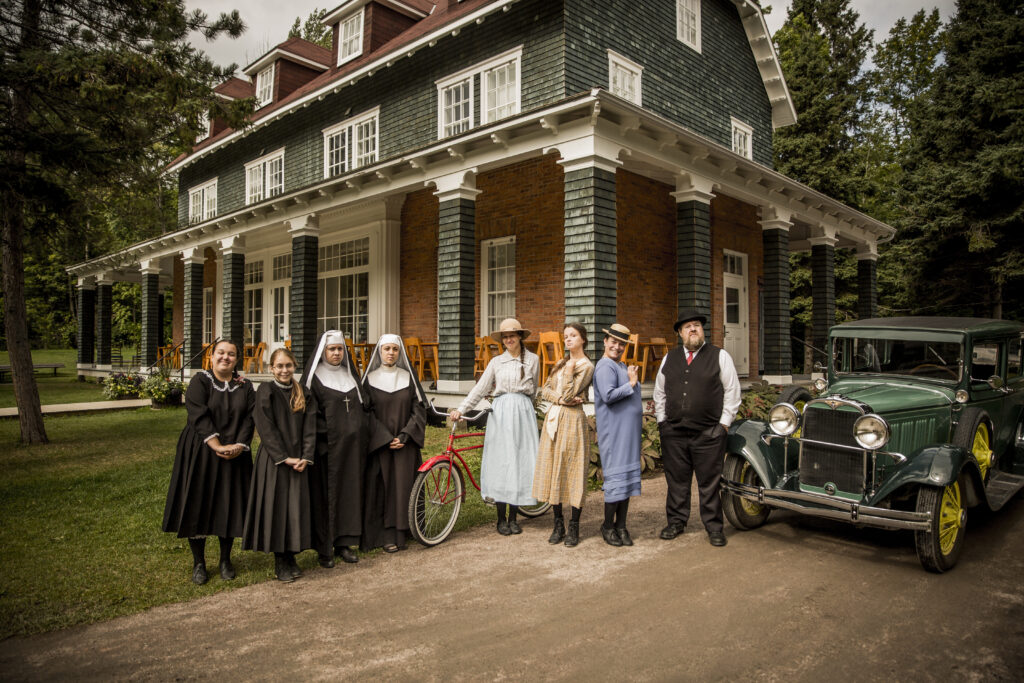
(817, 505)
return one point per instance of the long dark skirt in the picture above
(278, 517)
(208, 495)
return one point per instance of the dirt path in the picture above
(796, 600)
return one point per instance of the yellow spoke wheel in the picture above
(743, 514)
(939, 547)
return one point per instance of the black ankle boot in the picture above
(572, 538)
(558, 533)
(199, 573)
(282, 570)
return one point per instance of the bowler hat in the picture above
(617, 331)
(687, 316)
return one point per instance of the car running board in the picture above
(1001, 487)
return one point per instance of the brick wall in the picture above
(527, 199)
(418, 264)
(734, 227)
(646, 291)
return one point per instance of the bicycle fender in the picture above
(434, 460)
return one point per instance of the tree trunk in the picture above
(12, 226)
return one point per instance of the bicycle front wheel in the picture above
(535, 510)
(435, 502)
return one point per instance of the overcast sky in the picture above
(268, 21)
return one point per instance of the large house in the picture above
(451, 163)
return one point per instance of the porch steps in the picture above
(1001, 487)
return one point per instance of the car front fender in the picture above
(938, 465)
(745, 440)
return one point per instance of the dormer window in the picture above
(265, 86)
(350, 44)
(624, 77)
(205, 128)
(688, 22)
(742, 138)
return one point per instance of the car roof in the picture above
(936, 324)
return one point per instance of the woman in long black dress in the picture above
(209, 487)
(399, 409)
(343, 427)
(277, 520)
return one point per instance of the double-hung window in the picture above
(253, 320)
(688, 22)
(350, 31)
(742, 139)
(624, 77)
(281, 293)
(498, 282)
(264, 177)
(265, 87)
(351, 144)
(495, 83)
(343, 288)
(202, 202)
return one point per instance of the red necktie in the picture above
(689, 357)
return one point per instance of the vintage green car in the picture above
(920, 419)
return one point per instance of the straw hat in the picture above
(617, 331)
(510, 325)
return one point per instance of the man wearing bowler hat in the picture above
(696, 395)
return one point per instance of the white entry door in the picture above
(736, 314)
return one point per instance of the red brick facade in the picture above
(418, 266)
(734, 227)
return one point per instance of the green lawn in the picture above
(80, 522)
(64, 388)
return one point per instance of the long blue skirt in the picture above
(510, 451)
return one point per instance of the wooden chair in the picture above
(356, 357)
(207, 354)
(482, 356)
(631, 356)
(550, 348)
(253, 361)
(653, 354)
(420, 359)
(288, 344)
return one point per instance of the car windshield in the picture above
(919, 358)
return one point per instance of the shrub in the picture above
(757, 401)
(122, 385)
(163, 389)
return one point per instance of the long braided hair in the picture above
(298, 399)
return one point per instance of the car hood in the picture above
(892, 395)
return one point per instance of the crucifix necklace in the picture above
(346, 404)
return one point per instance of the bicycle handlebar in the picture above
(467, 419)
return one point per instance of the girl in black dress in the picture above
(209, 487)
(278, 517)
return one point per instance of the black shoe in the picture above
(199, 574)
(347, 555)
(611, 537)
(504, 529)
(514, 527)
(558, 533)
(717, 538)
(572, 538)
(293, 565)
(282, 571)
(672, 530)
(624, 536)
(227, 570)
(326, 561)
(391, 548)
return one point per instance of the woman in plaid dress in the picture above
(563, 453)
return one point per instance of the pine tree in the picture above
(314, 29)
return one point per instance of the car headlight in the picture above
(871, 432)
(962, 396)
(783, 419)
(820, 385)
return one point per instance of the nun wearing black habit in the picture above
(343, 428)
(399, 407)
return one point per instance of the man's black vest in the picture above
(693, 393)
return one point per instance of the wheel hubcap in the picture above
(747, 476)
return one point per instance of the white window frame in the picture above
(485, 291)
(448, 127)
(347, 55)
(470, 74)
(265, 87)
(258, 177)
(207, 129)
(254, 278)
(327, 273)
(206, 196)
(682, 8)
(208, 315)
(355, 140)
(615, 60)
(744, 129)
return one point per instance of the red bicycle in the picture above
(438, 491)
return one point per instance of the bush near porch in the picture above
(80, 522)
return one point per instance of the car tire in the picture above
(974, 434)
(743, 514)
(939, 547)
(796, 396)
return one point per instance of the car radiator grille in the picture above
(820, 465)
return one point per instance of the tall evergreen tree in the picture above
(91, 91)
(966, 170)
(313, 29)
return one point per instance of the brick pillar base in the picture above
(456, 247)
(590, 252)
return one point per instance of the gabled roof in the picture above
(783, 111)
(417, 9)
(234, 89)
(297, 50)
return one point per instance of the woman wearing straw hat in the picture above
(510, 443)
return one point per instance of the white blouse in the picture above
(506, 375)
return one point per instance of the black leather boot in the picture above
(282, 570)
(558, 533)
(572, 538)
